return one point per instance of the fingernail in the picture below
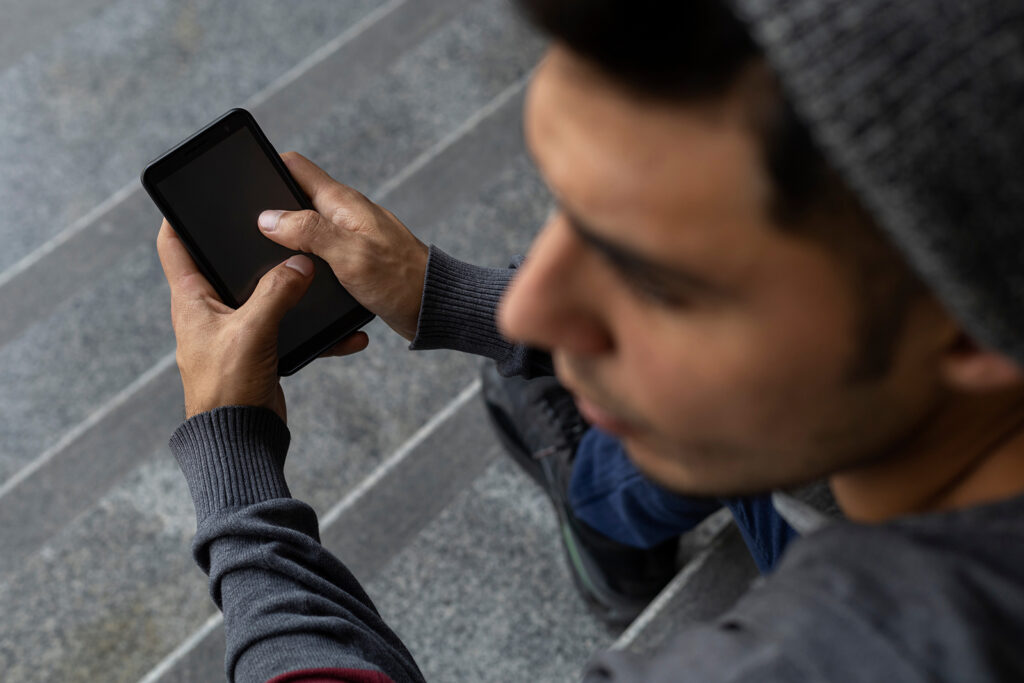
(301, 263)
(268, 220)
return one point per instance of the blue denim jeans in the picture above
(609, 494)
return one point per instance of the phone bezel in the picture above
(180, 156)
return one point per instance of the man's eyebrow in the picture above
(631, 263)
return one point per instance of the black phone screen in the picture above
(212, 196)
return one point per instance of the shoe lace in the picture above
(569, 426)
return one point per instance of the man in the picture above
(744, 306)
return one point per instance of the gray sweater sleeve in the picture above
(288, 604)
(458, 313)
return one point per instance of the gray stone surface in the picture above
(113, 591)
(31, 26)
(61, 368)
(362, 134)
(82, 116)
(76, 477)
(484, 593)
(347, 72)
(76, 264)
(721, 572)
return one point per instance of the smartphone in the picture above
(211, 188)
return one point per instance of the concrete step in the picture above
(30, 26)
(718, 572)
(484, 594)
(85, 110)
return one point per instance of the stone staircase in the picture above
(416, 102)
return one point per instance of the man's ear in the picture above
(972, 368)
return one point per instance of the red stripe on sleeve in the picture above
(331, 676)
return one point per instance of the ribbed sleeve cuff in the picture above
(231, 457)
(458, 307)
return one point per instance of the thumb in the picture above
(279, 291)
(301, 230)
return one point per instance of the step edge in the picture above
(720, 523)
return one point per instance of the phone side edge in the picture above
(355, 326)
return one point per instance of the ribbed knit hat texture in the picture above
(919, 104)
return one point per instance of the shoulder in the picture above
(935, 598)
(852, 603)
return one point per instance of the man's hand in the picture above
(372, 254)
(226, 356)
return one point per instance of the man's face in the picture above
(714, 345)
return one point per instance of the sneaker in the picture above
(537, 422)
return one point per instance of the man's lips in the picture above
(602, 419)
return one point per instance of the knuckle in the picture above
(308, 223)
(339, 194)
(341, 215)
(274, 280)
(352, 217)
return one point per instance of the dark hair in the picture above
(697, 49)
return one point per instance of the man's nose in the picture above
(552, 303)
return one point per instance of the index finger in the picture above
(180, 270)
(354, 343)
(324, 191)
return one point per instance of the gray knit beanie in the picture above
(919, 104)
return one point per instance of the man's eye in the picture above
(644, 285)
(653, 292)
